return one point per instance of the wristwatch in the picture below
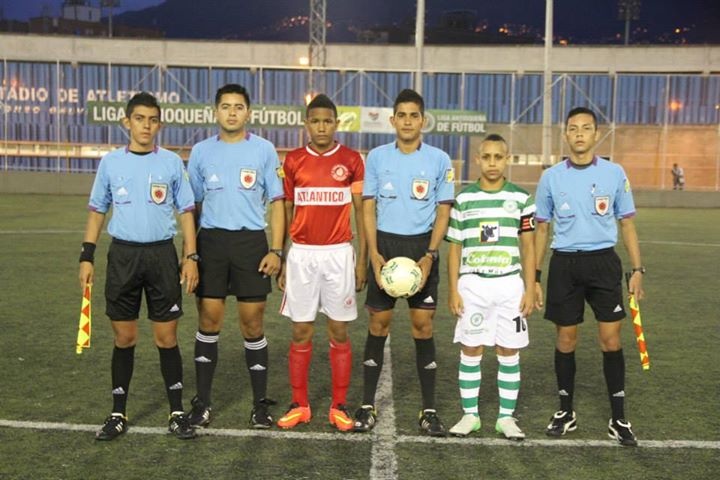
(432, 254)
(638, 269)
(194, 257)
(277, 251)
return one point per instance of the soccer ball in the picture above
(401, 277)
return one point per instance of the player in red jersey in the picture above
(322, 181)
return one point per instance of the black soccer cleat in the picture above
(115, 425)
(430, 423)
(179, 425)
(365, 419)
(200, 414)
(561, 423)
(260, 417)
(621, 430)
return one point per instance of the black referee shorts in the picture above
(411, 246)
(576, 277)
(229, 264)
(134, 267)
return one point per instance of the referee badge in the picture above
(420, 188)
(602, 205)
(450, 175)
(248, 177)
(158, 193)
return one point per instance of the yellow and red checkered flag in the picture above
(639, 334)
(85, 323)
(637, 325)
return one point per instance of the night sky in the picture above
(24, 9)
(581, 22)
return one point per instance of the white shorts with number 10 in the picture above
(320, 278)
(491, 314)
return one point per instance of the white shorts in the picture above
(320, 278)
(492, 312)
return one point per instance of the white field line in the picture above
(383, 461)
(681, 244)
(488, 442)
(501, 442)
(216, 432)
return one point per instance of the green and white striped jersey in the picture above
(488, 225)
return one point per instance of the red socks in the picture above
(298, 368)
(341, 366)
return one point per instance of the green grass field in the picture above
(51, 399)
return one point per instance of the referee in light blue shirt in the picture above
(144, 185)
(407, 195)
(233, 175)
(586, 197)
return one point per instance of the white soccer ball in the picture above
(401, 277)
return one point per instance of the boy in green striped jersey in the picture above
(491, 280)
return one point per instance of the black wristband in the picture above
(87, 253)
(538, 275)
(432, 253)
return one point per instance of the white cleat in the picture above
(508, 427)
(468, 423)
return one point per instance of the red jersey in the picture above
(321, 186)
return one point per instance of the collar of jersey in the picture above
(247, 137)
(127, 150)
(398, 148)
(315, 153)
(569, 163)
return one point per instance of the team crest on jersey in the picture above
(602, 204)
(280, 172)
(158, 192)
(339, 172)
(510, 206)
(420, 188)
(489, 232)
(248, 177)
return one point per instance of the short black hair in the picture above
(409, 96)
(232, 88)
(321, 101)
(494, 137)
(579, 111)
(144, 99)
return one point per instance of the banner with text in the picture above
(352, 119)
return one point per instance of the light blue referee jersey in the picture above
(234, 181)
(144, 191)
(408, 187)
(585, 204)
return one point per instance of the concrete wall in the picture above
(647, 153)
(499, 58)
